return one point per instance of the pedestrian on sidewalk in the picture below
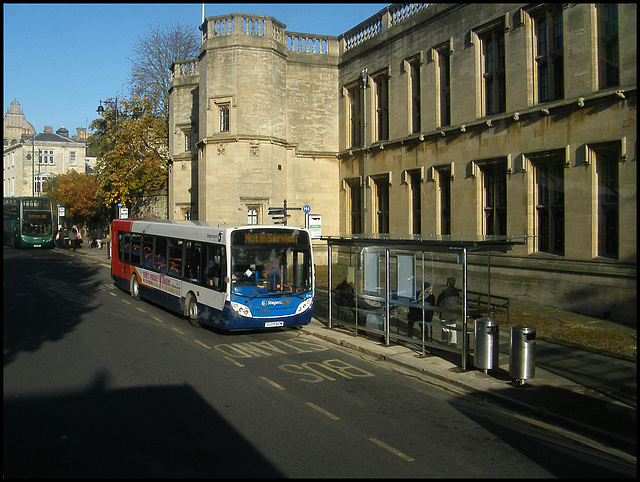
(73, 236)
(449, 299)
(99, 235)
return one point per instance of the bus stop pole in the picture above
(465, 340)
(386, 295)
(330, 259)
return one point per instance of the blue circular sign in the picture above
(306, 208)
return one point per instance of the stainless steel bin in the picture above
(485, 353)
(522, 353)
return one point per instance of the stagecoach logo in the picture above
(219, 236)
(272, 302)
(250, 238)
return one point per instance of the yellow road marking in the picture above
(234, 362)
(125, 301)
(323, 411)
(112, 294)
(175, 329)
(158, 319)
(140, 309)
(391, 449)
(202, 344)
(272, 383)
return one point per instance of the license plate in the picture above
(271, 324)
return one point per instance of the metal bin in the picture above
(522, 354)
(485, 354)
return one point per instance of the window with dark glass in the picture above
(444, 59)
(549, 202)
(382, 203)
(494, 183)
(549, 42)
(444, 198)
(355, 206)
(493, 74)
(607, 157)
(415, 97)
(608, 46)
(416, 203)
(355, 116)
(382, 106)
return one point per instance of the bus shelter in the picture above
(379, 284)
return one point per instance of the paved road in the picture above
(96, 384)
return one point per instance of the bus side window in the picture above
(147, 251)
(175, 258)
(160, 261)
(120, 245)
(136, 242)
(192, 261)
(215, 267)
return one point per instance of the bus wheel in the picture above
(135, 288)
(192, 311)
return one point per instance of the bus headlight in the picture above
(304, 306)
(241, 309)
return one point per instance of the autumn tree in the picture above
(134, 156)
(79, 194)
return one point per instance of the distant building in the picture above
(429, 119)
(28, 162)
(15, 125)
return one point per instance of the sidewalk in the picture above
(587, 396)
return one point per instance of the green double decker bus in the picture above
(28, 222)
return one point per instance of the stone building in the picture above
(429, 119)
(15, 126)
(29, 162)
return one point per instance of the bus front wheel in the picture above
(135, 288)
(192, 311)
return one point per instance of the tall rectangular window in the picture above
(415, 178)
(444, 199)
(549, 55)
(607, 157)
(73, 160)
(252, 215)
(382, 106)
(355, 206)
(548, 170)
(415, 96)
(382, 203)
(494, 183)
(355, 116)
(608, 46)
(224, 118)
(444, 68)
(187, 141)
(46, 157)
(493, 73)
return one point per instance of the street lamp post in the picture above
(365, 81)
(100, 110)
(109, 103)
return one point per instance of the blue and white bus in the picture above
(240, 278)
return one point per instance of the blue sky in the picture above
(60, 60)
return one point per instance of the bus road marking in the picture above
(140, 309)
(175, 329)
(323, 411)
(158, 319)
(202, 344)
(391, 449)
(127, 302)
(234, 362)
(272, 383)
(112, 294)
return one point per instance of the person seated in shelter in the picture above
(345, 293)
(415, 314)
(449, 299)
